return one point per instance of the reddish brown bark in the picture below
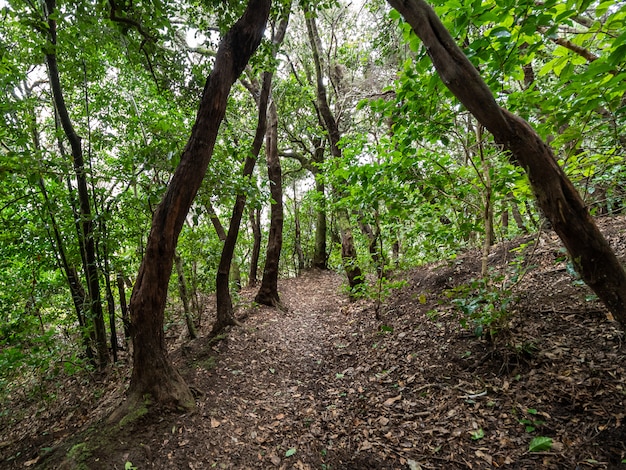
(225, 315)
(591, 254)
(153, 374)
(268, 292)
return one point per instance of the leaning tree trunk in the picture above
(591, 254)
(86, 222)
(153, 375)
(225, 315)
(268, 292)
(77, 292)
(348, 249)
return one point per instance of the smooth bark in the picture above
(225, 315)
(268, 292)
(255, 225)
(183, 292)
(153, 374)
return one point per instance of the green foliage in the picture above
(483, 305)
(531, 423)
(540, 444)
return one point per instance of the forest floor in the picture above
(327, 385)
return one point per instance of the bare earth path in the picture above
(324, 385)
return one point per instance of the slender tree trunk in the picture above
(184, 296)
(489, 239)
(373, 237)
(195, 301)
(395, 252)
(268, 292)
(320, 256)
(86, 223)
(348, 249)
(109, 293)
(153, 375)
(297, 233)
(517, 216)
(591, 254)
(222, 291)
(121, 290)
(255, 224)
(348, 253)
(217, 224)
(77, 292)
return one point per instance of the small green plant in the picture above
(77, 456)
(129, 466)
(482, 304)
(531, 424)
(478, 434)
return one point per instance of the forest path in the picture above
(267, 389)
(325, 385)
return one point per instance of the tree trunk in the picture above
(224, 302)
(373, 237)
(109, 293)
(517, 216)
(255, 224)
(215, 220)
(153, 376)
(591, 254)
(297, 234)
(184, 296)
(77, 291)
(320, 257)
(121, 289)
(86, 222)
(268, 292)
(489, 239)
(348, 250)
(348, 253)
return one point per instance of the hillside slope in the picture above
(327, 385)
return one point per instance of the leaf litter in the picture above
(323, 385)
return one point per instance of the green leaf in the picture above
(478, 434)
(540, 444)
(290, 452)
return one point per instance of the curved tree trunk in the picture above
(591, 254)
(268, 292)
(348, 249)
(86, 222)
(225, 315)
(153, 375)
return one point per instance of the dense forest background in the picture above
(367, 163)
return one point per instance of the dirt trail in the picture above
(263, 388)
(324, 385)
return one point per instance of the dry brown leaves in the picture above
(323, 386)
